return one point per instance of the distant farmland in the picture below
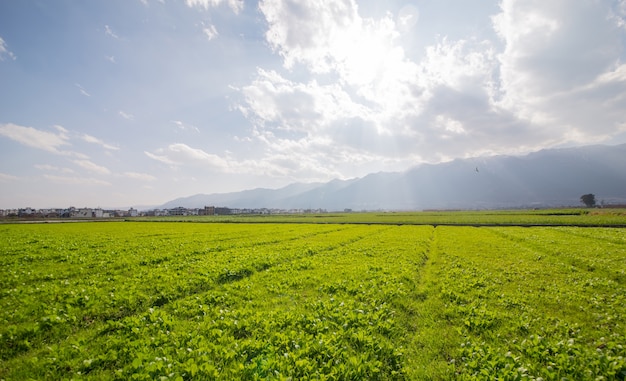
(367, 298)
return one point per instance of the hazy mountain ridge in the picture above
(551, 177)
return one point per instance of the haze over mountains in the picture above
(547, 178)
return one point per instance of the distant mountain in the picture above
(551, 177)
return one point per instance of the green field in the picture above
(519, 217)
(168, 300)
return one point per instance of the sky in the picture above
(120, 103)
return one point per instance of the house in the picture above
(26, 212)
(222, 211)
(83, 213)
(207, 211)
(178, 211)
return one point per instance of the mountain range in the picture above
(547, 178)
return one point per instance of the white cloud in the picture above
(561, 68)
(312, 131)
(82, 90)
(109, 32)
(183, 153)
(365, 120)
(328, 126)
(235, 5)
(94, 140)
(304, 32)
(184, 126)
(331, 37)
(463, 98)
(275, 102)
(352, 87)
(161, 158)
(92, 167)
(377, 84)
(450, 125)
(210, 32)
(32, 137)
(126, 115)
(4, 51)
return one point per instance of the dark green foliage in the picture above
(588, 199)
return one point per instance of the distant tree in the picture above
(588, 199)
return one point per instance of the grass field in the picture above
(167, 300)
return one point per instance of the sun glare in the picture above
(363, 52)
(364, 61)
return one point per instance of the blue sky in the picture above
(123, 103)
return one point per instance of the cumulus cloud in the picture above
(317, 131)
(379, 105)
(331, 37)
(287, 105)
(305, 31)
(384, 110)
(546, 48)
(552, 75)
(561, 68)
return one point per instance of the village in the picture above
(99, 213)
